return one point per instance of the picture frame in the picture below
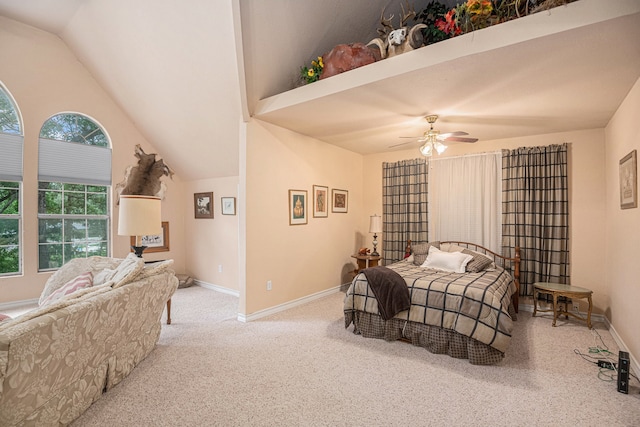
(297, 207)
(339, 201)
(155, 242)
(320, 201)
(203, 205)
(629, 181)
(228, 205)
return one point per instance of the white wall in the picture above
(211, 244)
(622, 227)
(45, 79)
(300, 260)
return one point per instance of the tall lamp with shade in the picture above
(375, 227)
(139, 216)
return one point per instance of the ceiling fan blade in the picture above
(402, 143)
(460, 139)
(413, 137)
(449, 134)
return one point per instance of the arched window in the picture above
(74, 175)
(11, 142)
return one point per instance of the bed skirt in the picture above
(434, 339)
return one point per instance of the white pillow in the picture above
(454, 262)
(126, 270)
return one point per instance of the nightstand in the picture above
(365, 261)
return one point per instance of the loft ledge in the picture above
(560, 19)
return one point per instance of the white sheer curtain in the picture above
(465, 199)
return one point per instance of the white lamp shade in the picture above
(426, 149)
(375, 224)
(139, 216)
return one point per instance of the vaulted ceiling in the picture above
(188, 72)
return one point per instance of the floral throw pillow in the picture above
(82, 281)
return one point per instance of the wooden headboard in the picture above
(500, 260)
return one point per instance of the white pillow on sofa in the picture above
(454, 262)
(122, 274)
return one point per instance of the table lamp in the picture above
(139, 216)
(375, 226)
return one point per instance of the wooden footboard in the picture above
(501, 260)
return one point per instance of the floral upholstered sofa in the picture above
(82, 340)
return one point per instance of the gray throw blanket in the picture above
(390, 290)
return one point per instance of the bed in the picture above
(466, 314)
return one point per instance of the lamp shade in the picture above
(139, 216)
(375, 224)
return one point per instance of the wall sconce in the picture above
(375, 226)
(139, 216)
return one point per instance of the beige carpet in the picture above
(302, 368)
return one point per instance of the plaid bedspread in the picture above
(472, 304)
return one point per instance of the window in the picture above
(11, 142)
(9, 227)
(74, 174)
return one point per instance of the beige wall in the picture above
(623, 226)
(211, 245)
(305, 259)
(46, 79)
(587, 189)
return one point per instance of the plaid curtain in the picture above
(404, 210)
(535, 213)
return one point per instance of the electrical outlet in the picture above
(220, 268)
(269, 285)
(576, 306)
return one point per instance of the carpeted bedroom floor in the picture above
(302, 368)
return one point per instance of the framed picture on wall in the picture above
(297, 207)
(320, 201)
(629, 181)
(203, 205)
(339, 200)
(155, 242)
(228, 205)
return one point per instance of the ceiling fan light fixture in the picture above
(439, 146)
(427, 149)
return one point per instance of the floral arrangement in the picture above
(443, 23)
(473, 15)
(312, 74)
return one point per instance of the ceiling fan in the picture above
(433, 138)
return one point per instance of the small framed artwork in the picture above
(629, 181)
(203, 205)
(297, 207)
(155, 242)
(228, 206)
(339, 200)
(320, 201)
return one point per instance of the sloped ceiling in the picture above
(173, 67)
(170, 65)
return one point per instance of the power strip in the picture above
(606, 365)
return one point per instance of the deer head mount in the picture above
(393, 42)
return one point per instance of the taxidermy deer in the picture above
(144, 179)
(394, 42)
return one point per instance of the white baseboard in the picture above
(216, 288)
(16, 305)
(286, 306)
(595, 318)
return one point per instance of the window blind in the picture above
(11, 158)
(74, 163)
